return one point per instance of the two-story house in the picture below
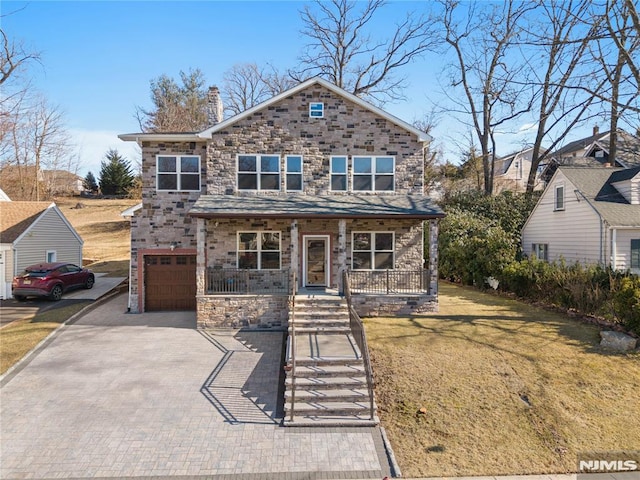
(290, 194)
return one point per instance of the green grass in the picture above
(20, 337)
(507, 388)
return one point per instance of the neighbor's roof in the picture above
(17, 217)
(206, 134)
(595, 183)
(307, 206)
(628, 148)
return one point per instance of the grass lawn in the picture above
(507, 388)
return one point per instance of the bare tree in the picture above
(13, 57)
(485, 69)
(342, 50)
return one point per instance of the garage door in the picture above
(170, 282)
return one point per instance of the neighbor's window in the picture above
(259, 250)
(51, 256)
(258, 172)
(559, 198)
(339, 174)
(178, 173)
(635, 253)
(372, 251)
(373, 173)
(294, 173)
(541, 251)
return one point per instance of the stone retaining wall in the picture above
(242, 311)
(383, 305)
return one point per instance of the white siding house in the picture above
(589, 215)
(33, 232)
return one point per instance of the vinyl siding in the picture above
(623, 247)
(572, 233)
(5, 280)
(49, 232)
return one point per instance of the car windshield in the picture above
(35, 273)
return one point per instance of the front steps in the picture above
(330, 381)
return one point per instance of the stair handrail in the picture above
(292, 353)
(355, 323)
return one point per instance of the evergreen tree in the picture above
(116, 177)
(89, 183)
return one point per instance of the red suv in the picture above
(50, 280)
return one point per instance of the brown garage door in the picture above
(170, 282)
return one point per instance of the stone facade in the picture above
(242, 311)
(387, 305)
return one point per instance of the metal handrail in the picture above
(292, 318)
(355, 322)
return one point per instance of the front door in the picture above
(316, 261)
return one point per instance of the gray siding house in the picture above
(296, 192)
(33, 232)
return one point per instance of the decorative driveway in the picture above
(147, 395)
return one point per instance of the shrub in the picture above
(626, 302)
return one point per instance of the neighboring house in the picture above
(589, 215)
(62, 183)
(19, 182)
(512, 172)
(308, 185)
(32, 232)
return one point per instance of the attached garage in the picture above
(170, 282)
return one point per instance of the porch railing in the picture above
(247, 282)
(390, 281)
(359, 335)
(292, 338)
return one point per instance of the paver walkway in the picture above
(123, 395)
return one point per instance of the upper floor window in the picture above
(294, 173)
(635, 253)
(316, 110)
(178, 172)
(259, 250)
(258, 172)
(339, 174)
(373, 173)
(372, 251)
(558, 203)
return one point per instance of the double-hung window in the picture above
(294, 173)
(178, 173)
(259, 250)
(541, 251)
(339, 174)
(373, 174)
(635, 253)
(372, 251)
(258, 172)
(558, 203)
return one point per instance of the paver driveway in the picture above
(119, 395)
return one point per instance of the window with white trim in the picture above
(338, 174)
(541, 251)
(558, 203)
(52, 256)
(178, 173)
(259, 250)
(373, 174)
(316, 110)
(258, 172)
(372, 251)
(293, 165)
(635, 253)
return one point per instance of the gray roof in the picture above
(595, 183)
(307, 206)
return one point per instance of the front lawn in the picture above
(504, 388)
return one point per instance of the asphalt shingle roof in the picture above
(307, 206)
(16, 217)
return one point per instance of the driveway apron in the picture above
(147, 395)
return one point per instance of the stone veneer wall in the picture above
(382, 305)
(242, 311)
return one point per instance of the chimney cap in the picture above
(596, 129)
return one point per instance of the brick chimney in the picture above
(215, 109)
(596, 130)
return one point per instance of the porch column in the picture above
(433, 257)
(342, 250)
(295, 251)
(201, 265)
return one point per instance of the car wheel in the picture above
(20, 298)
(56, 293)
(89, 283)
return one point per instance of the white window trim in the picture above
(54, 254)
(321, 110)
(346, 173)
(258, 172)
(555, 198)
(631, 266)
(373, 250)
(301, 173)
(259, 250)
(373, 173)
(178, 172)
(535, 250)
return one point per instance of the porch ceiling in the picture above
(307, 206)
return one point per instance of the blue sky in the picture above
(98, 57)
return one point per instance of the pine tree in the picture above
(116, 177)
(89, 183)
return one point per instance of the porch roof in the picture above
(306, 206)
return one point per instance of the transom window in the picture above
(258, 172)
(339, 174)
(259, 250)
(372, 251)
(294, 173)
(373, 173)
(178, 173)
(559, 198)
